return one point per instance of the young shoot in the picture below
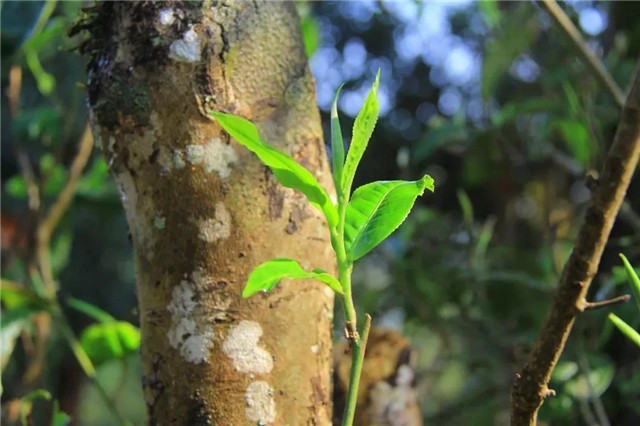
(357, 223)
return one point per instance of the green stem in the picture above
(357, 348)
(86, 364)
(359, 343)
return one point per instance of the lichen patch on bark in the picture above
(166, 16)
(186, 49)
(213, 156)
(193, 340)
(261, 407)
(217, 227)
(241, 345)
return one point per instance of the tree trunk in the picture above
(203, 211)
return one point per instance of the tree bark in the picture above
(203, 211)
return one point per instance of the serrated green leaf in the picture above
(110, 340)
(625, 328)
(266, 276)
(337, 145)
(376, 210)
(362, 130)
(287, 171)
(635, 280)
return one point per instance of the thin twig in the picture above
(530, 387)
(14, 89)
(580, 44)
(59, 207)
(606, 303)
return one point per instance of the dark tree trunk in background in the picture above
(203, 211)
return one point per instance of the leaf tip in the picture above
(334, 105)
(427, 182)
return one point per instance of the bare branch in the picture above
(606, 303)
(530, 387)
(59, 207)
(594, 63)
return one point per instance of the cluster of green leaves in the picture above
(44, 122)
(358, 222)
(105, 340)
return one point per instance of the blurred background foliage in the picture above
(488, 98)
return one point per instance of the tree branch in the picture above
(594, 63)
(59, 207)
(530, 387)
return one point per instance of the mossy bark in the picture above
(203, 211)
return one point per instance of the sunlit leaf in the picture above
(110, 340)
(266, 276)
(625, 328)
(362, 130)
(310, 34)
(376, 210)
(287, 171)
(635, 280)
(337, 145)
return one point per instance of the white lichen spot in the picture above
(241, 345)
(213, 156)
(260, 405)
(166, 17)
(216, 228)
(182, 299)
(315, 349)
(159, 222)
(186, 49)
(219, 156)
(193, 342)
(195, 154)
(178, 160)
